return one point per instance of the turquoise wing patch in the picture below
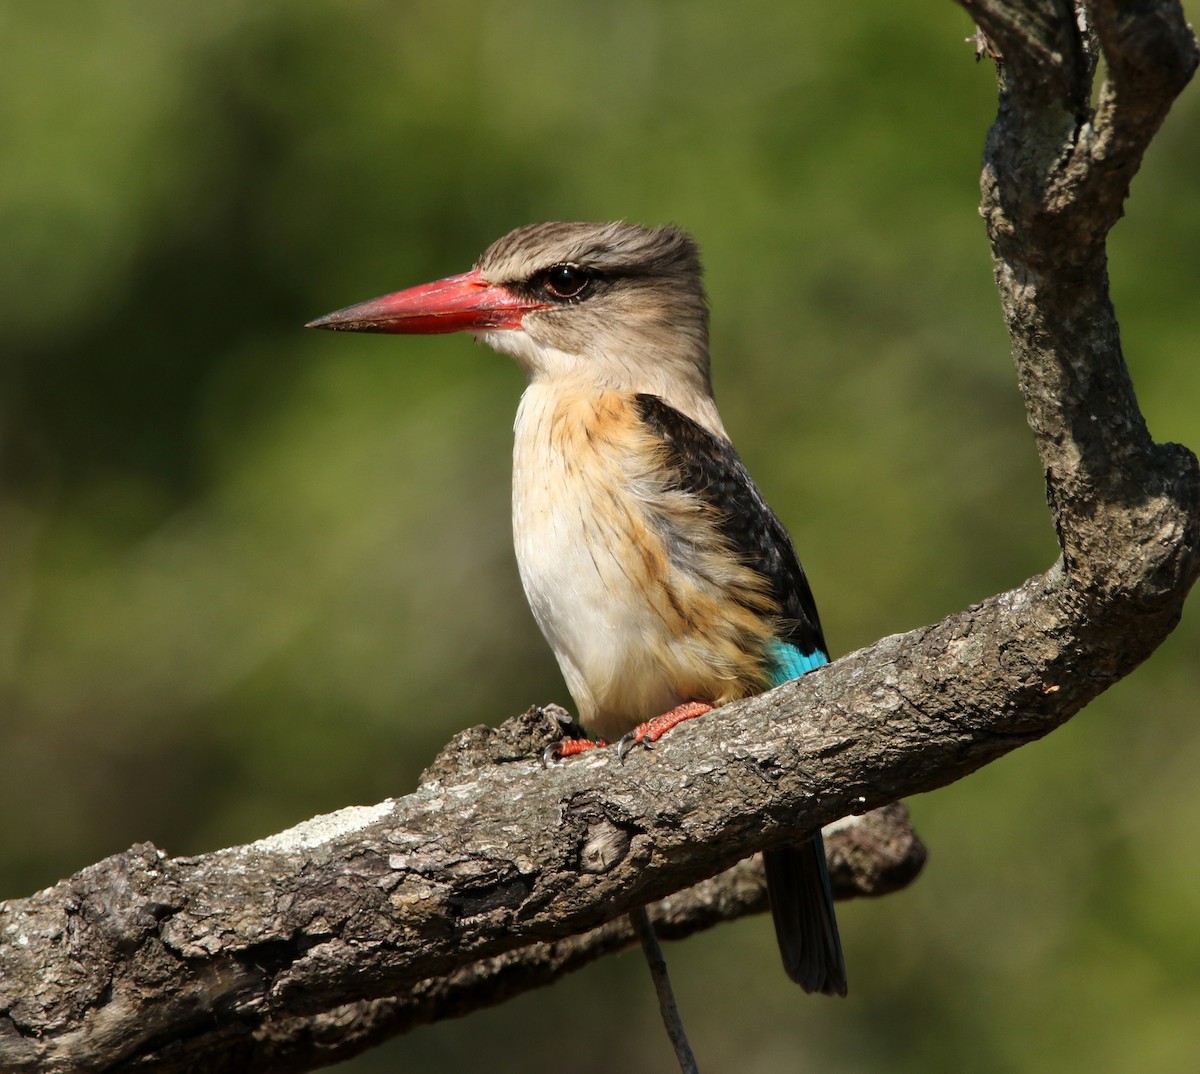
(788, 662)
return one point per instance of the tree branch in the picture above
(496, 876)
(224, 1004)
(1054, 183)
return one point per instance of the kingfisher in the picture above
(658, 574)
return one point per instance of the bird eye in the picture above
(565, 281)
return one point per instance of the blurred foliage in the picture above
(248, 574)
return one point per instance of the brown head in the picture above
(615, 304)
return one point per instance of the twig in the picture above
(640, 920)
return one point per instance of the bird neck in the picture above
(686, 388)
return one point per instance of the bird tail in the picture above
(805, 925)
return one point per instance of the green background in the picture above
(249, 573)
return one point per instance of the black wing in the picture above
(709, 468)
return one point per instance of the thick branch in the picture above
(869, 856)
(149, 962)
(225, 1006)
(1054, 182)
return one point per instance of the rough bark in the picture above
(425, 906)
(496, 874)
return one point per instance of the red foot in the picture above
(569, 747)
(645, 734)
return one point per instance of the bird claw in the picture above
(629, 741)
(646, 734)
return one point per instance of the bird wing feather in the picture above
(707, 466)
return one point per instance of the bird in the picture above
(659, 576)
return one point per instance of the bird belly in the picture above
(637, 628)
(616, 659)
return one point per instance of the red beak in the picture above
(457, 303)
